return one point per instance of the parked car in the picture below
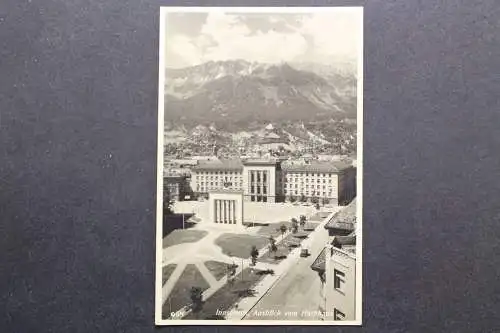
(304, 252)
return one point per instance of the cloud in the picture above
(333, 34)
(313, 37)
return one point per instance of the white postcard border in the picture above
(160, 167)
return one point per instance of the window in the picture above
(338, 280)
(338, 315)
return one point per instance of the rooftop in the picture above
(231, 164)
(226, 191)
(341, 241)
(345, 219)
(262, 161)
(316, 166)
(319, 263)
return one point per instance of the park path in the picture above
(264, 285)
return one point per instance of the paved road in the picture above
(297, 291)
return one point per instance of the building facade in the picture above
(260, 180)
(176, 186)
(336, 266)
(332, 182)
(226, 207)
(270, 180)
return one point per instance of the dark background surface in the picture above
(78, 135)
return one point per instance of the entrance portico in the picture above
(226, 207)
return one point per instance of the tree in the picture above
(167, 204)
(272, 246)
(196, 295)
(283, 229)
(315, 200)
(302, 221)
(295, 225)
(292, 199)
(317, 206)
(325, 201)
(303, 198)
(254, 254)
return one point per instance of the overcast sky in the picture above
(323, 36)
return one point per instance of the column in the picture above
(215, 211)
(234, 211)
(230, 208)
(220, 210)
(225, 211)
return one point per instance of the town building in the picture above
(176, 186)
(274, 180)
(332, 182)
(336, 265)
(226, 207)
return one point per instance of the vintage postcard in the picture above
(260, 166)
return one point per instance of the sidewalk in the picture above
(246, 305)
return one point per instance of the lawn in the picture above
(180, 295)
(273, 229)
(319, 216)
(239, 245)
(217, 268)
(183, 236)
(167, 271)
(309, 227)
(229, 294)
(284, 246)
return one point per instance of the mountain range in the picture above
(232, 94)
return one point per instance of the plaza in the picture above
(199, 256)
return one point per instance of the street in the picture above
(297, 295)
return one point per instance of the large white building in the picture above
(270, 180)
(337, 265)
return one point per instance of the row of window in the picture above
(256, 176)
(206, 189)
(216, 177)
(307, 174)
(307, 186)
(307, 180)
(257, 190)
(222, 184)
(218, 173)
(318, 193)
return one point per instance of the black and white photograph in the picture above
(260, 153)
